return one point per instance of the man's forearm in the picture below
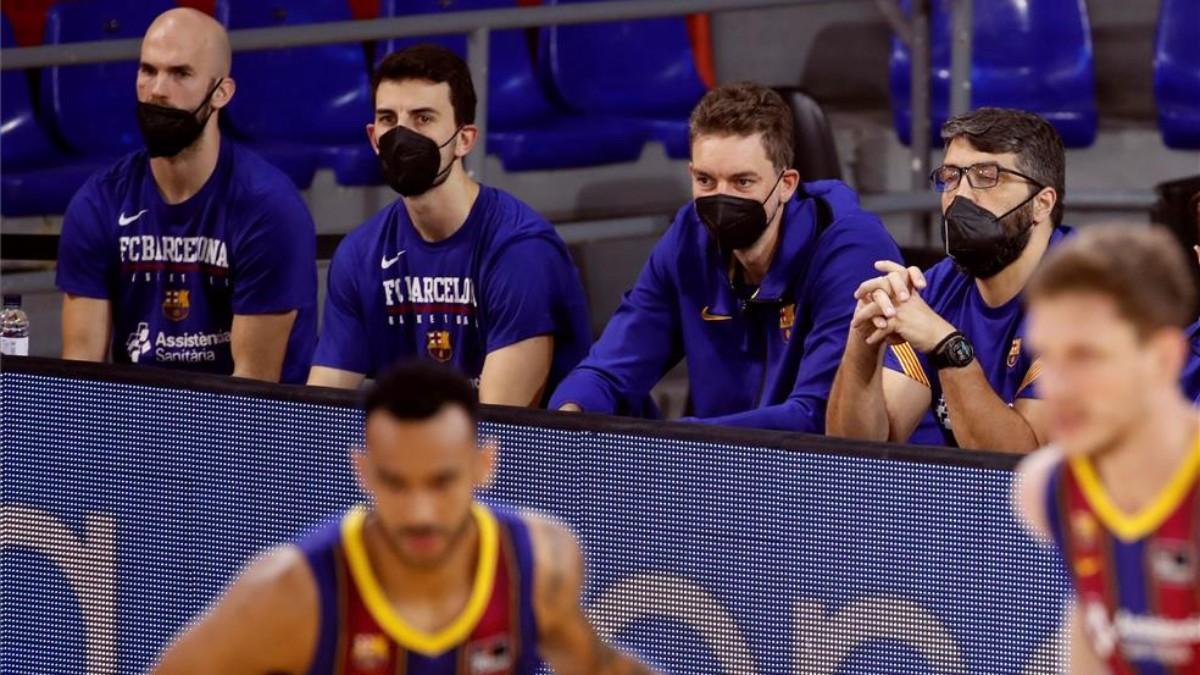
(980, 419)
(856, 404)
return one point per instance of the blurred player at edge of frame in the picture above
(1118, 492)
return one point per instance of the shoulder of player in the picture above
(110, 184)
(558, 562)
(277, 589)
(548, 535)
(280, 572)
(1032, 477)
(366, 240)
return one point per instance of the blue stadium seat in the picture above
(23, 142)
(306, 106)
(1036, 56)
(36, 176)
(93, 107)
(526, 129)
(1177, 73)
(639, 70)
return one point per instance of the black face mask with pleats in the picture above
(411, 162)
(978, 240)
(734, 222)
(169, 131)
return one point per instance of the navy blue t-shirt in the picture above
(996, 333)
(176, 274)
(503, 277)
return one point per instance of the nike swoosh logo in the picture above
(713, 317)
(388, 262)
(123, 221)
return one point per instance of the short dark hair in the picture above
(436, 64)
(1037, 145)
(744, 109)
(418, 390)
(1141, 268)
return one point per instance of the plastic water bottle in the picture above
(14, 328)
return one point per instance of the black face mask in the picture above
(169, 131)
(734, 222)
(978, 240)
(411, 161)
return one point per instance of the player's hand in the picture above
(897, 281)
(878, 298)
(919, 325)
(570, 407)
(873, 321)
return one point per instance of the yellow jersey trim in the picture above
(1031, 376)
(413, 639)
(1127, 527)
(910, 363)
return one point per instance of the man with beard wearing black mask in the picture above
(453, 271)
(751, 284)
(193, 253)
(939, 357)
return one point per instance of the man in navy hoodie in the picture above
(753, 283)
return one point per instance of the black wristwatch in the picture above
(954, 351)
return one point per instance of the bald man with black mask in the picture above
(192, 253)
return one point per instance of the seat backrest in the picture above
(816, 153)
(1035, 56)
(23, 143)
(309, 94)
(1177, 72)
(515, 95)
(93, 106)
(643, 68)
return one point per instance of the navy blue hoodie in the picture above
(761, 359)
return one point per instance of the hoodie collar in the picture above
(795, 246)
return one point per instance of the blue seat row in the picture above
(1177, 73)
(1036, 56)
(306, 108)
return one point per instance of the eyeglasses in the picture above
(980, 176)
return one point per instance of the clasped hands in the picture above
(890, 307)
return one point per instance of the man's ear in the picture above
(789, 182)
(464, 142)
(358, 456)
(223, 94)
(371, 137)
(1044, 204)
(1170, 352)
(485, 467)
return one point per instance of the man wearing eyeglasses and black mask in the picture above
(752, 283)
(453, 271)
(939, 357)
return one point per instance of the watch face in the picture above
(960, 352)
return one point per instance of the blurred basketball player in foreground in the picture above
(424, 581)
(1119, 492)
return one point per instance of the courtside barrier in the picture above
(130, 496)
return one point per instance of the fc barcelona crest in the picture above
(369, 652)
(787, 318)
(489, 656)
(1085, 528)
(177, 304)
(438, 345)
(1014, 353)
